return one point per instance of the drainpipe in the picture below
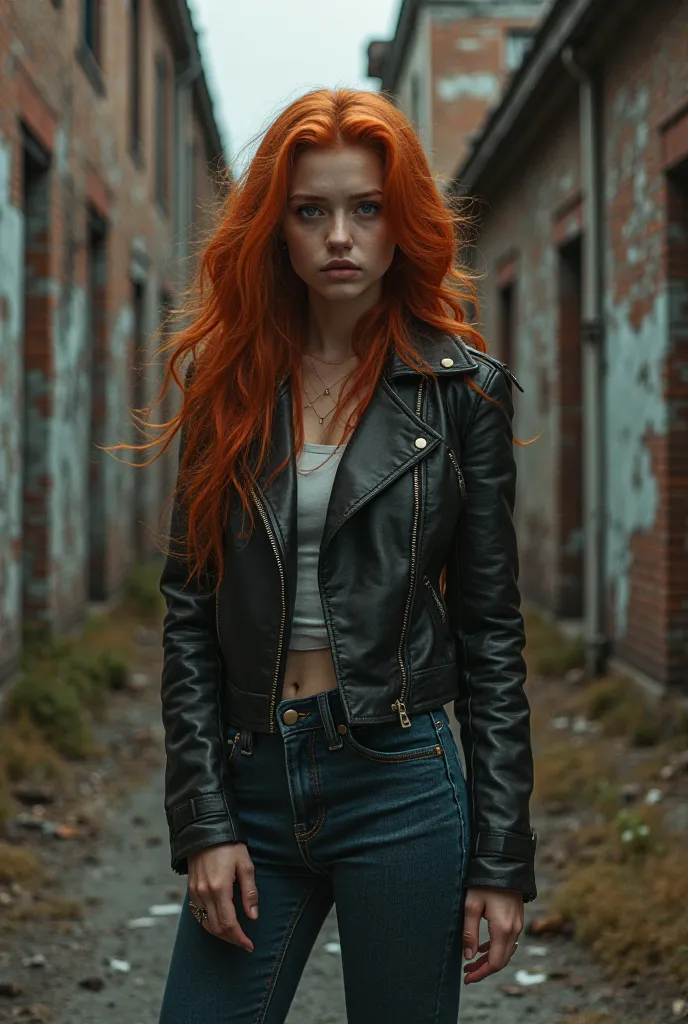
(592, 342)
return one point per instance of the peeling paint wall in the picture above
(79, 221)
(69, 457)
(532, 212)
(646, 556)
(520, 227)
(11, 413)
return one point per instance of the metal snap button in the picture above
(290, 716)
(342, 730)
(447, 362)
(420, 442)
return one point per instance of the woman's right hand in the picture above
(212, 873)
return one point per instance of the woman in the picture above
(342, 565)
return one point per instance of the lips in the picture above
(341, 265)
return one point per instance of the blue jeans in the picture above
(373, 819)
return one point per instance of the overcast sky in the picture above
(261, 54)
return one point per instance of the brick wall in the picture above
(538, 215)
(75, 235)
(469, 68)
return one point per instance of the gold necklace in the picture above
(324, 394)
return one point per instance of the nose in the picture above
(339, 236)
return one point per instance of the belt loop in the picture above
(334, 740)
(246, 742)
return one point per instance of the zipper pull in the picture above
(462, 483)
(511, 376)
(400, 708)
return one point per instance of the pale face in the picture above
(334, 212)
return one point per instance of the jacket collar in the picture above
(446, 353)
(381, 449)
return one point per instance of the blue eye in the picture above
(374, 207)
(302, 208)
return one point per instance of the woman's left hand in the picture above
(503, 910)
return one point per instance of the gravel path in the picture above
(127, 871)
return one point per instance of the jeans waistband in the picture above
(319, 711)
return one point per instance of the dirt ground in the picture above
(117, 868)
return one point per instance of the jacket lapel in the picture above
(280, 496)
(388, 441)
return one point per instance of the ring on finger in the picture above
(200, 913)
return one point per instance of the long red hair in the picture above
(245, 316)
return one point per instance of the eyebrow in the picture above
(320, 199)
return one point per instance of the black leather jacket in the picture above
(426, 480)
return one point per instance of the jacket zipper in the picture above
(457, 467)
(399, 706)
(440, 606)
(280, 569)
(511, 376)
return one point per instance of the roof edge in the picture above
(177, 16)
(398, 45)
(557, 30)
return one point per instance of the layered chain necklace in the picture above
(327, 389)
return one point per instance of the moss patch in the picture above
(631, 913)
(624, 882)
(19, 864)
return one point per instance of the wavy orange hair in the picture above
(246, 314)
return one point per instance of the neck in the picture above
(331, 324)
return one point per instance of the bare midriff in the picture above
(308, 673)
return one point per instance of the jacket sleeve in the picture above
(198, 800)
(492, 709)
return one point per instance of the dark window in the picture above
(135, 76)
(518, 43)
(93, 27)
(162, 133)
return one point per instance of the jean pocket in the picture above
(387, 741)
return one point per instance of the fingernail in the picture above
(253, 911)
(468, 954)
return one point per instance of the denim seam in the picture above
(307, 859)
(464, 844)
(381, 758)
(279, 959)
(459, 894)
(321, 807)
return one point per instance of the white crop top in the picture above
(316, 466)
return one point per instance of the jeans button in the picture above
(290, 716)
